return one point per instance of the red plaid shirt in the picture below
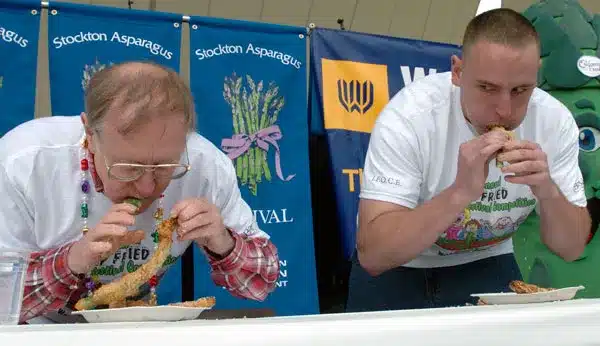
(249, 271)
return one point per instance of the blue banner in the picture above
(19, 33)
(249, 84)
(83, 39)
(353, 77)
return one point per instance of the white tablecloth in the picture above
(570, 323)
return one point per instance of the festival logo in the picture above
(90, 70)
(472, 234)
(353, 94)
(495, 217)
(255, 110)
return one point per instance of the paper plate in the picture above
(164, 313)
(527, 298)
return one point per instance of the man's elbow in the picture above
(569, 253)
(371, 262)
(368, 264)
(574, 253)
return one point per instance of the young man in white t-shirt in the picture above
(65, 182)
(436, 214)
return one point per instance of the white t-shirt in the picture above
(41, 199)
(413, 155)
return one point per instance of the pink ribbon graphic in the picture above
(239, 144)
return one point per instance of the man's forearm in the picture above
(250, 270)
(49, 284)
(396, 237)
(564, 226)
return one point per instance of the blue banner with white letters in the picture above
(83, 39)
(19, 33)
(249, 84)
(353, 76)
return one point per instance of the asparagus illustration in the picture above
(253, 109)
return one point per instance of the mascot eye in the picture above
(589, 139)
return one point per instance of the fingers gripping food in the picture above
(127, 286)
(509, 134)
(130, 238)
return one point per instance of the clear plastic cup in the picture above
(13, 269)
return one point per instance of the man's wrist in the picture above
(458, 198)
(223, 246)
(72, 263)
(546, 193)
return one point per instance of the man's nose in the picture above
(146, 184)
(504, 105)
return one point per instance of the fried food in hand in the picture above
(521, 287)
(136, 202)
(129, 284)
(509, 134)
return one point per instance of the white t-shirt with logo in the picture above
(413, 155)
(41, 199)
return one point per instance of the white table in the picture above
(570, 323)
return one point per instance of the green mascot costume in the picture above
(570, 71)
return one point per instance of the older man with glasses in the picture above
(76, 190)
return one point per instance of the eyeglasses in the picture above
(132, 171)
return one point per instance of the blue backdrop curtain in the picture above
(19, 33)
(249, 84)
(353, 76)
(83, 39)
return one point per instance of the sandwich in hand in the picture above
(509, 134)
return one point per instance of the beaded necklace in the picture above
(86, 166)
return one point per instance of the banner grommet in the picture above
(34, 12)
(54, 12)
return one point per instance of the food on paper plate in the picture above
(520, 287)
(205, 302)
(509, 134)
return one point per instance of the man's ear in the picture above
(89, 133)
(457, 66)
